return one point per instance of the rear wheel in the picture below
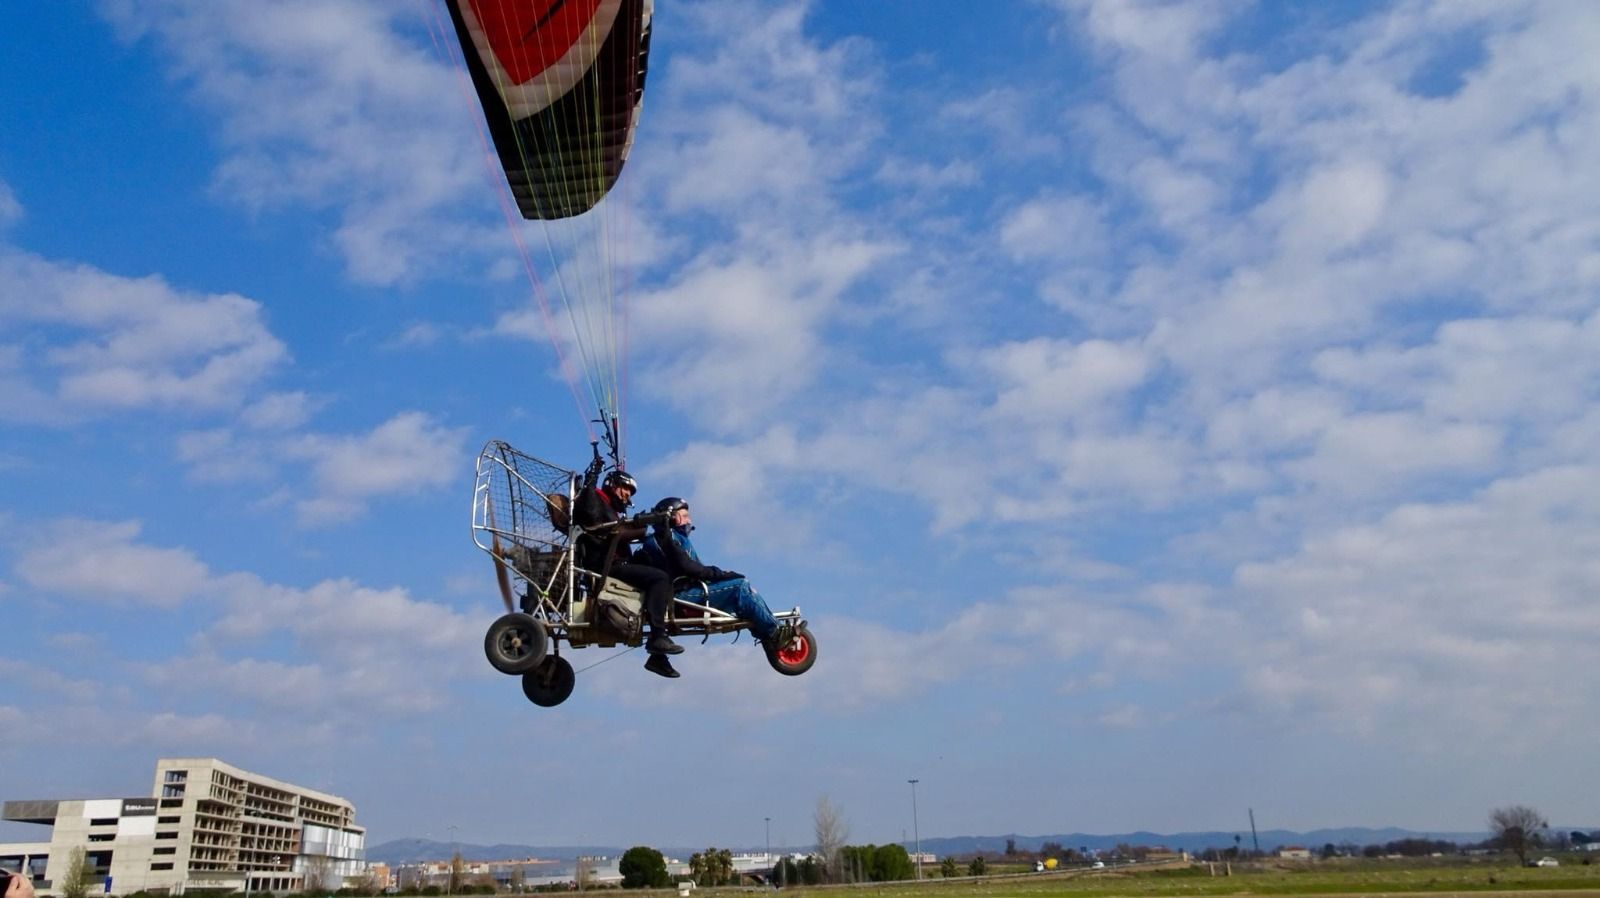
(796, 658)
(550, 683)
(516, 643)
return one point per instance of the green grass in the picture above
(1340, 877)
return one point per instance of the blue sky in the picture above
(1158, 409)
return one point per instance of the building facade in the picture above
(205, 825)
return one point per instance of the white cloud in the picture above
(356, 649)
(124, 343)
(408, 453)
(734, 337)
(10, 207)
(1065, 228)
(1004, 118)
(279, 411)
(1459, 616)
(334, 106)
(102, 562)
(352, 649)
(1049, 380)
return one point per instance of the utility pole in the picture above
(914, 830)
(1253, 840)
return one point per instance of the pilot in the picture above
(600, 513)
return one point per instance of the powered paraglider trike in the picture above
(521, 517)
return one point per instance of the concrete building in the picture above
(205, 825)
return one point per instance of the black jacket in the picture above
(593, 512)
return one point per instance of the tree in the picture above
(978, 866)
(583, 873)
(948, 868)
(811, 871)
(891, 863)
(79, 875)
(831, 832)
(643, 867)
(318, 876)
(458, 869)
(712, 867)
(1517, 828)
(368, 884)
(788, 874)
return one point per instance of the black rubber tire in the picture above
(797, 657)
(551, 683)
(516, 643)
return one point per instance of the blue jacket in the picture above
(673, 552)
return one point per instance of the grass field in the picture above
(1342, 877)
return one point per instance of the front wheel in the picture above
(516, 643)
(796, 658)
(550, 683)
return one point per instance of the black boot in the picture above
(661, 644)
(660, 666)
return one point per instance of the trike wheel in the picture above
(516, 643)
(796, 658)
(550, 683)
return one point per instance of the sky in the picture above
(1158, 410)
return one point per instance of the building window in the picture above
(166, 835)
(101, 837)
(103, 821)
(165, 849)
(166, 819)
(166, 866)
(177, 776)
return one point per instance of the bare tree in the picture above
(458, 870)
(318, 873)
(1517, 828)
(831, 832)
(583, 873)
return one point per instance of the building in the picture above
(1294, 853)
(205, 825)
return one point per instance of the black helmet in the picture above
(622, 479)
(670, 505)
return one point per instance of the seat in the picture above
(559, 509)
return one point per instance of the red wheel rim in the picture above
(796, 651)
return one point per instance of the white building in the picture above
(205, 824)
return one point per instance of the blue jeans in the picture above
(738, 598)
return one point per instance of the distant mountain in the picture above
(1271, 839)
(410, 851)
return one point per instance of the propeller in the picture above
(502, 573)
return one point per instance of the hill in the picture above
(409, 851)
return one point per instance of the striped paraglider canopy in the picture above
(561, 82)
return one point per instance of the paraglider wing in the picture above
(561, 82)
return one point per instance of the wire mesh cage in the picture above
(521, 500)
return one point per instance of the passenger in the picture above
(600, 513)
(730, 591)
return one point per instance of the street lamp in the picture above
(914, 831)
(769, 849)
